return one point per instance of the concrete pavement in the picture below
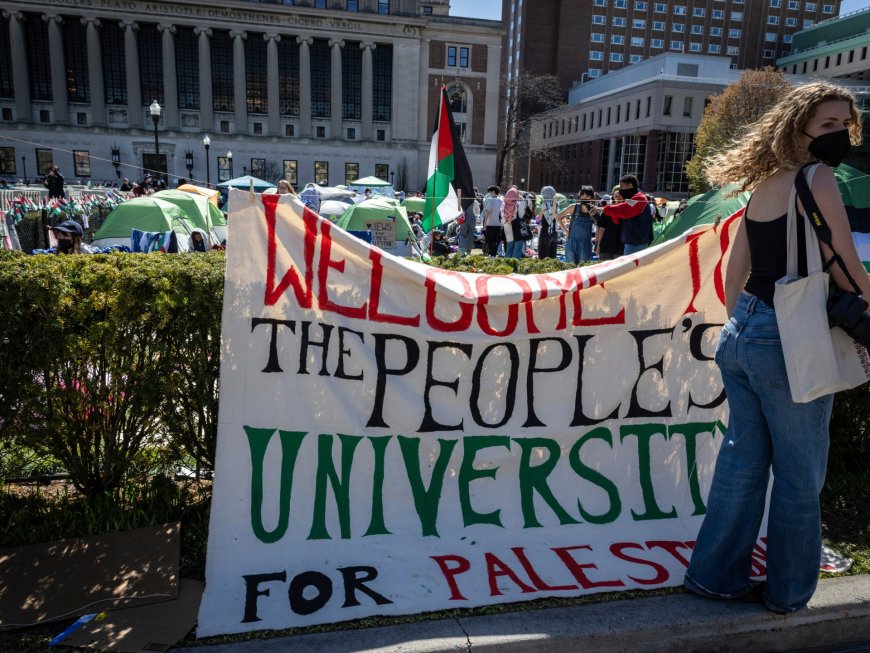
(838, 619)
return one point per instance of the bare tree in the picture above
(523, 96)
(272, 172)
(402, 176)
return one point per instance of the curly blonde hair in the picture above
(773, 142)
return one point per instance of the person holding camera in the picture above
(767, 431)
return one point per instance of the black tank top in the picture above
(768, 255)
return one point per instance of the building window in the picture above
(187, 67)
(714, 49)
(382, 83)
(321, 173)
(451, 56)
(733, 50)
(769, 54)
(384, 7)
(719, 14)
(694, 47)
(637, 23)
(351, 133)
(351, 81)
(648, 105)
(381, 134)
(321, 82)
(809, 23)
(737, 16)
(787, 39)
(677, 45)
(427, 10)
(44, 161)
(733, 33)
(715, 31)
(351, 172)
(290, 172)
(678, 28)
(619, 22)
(258, 128)
(658, 26)
(382, 171)
(288, 77)
(660, 8)
(599, 3)
(595, 72)
(7, 161)
(457, 97)
(699, 12)
(7, 114)
(673, 152)
(775, 4)
(608, 115)
(320, 131)
(773, 20)
(225, 126)
(616, 57)
(39, 64)
(222, 71)
(596, 55)
(793, 5)
(637, 41)
(810, 6)
(687, 107)
(791, 22)
(598, 20)
(667, 105)
(7, 89)
(639, 6)
(258, 168)
(151, 64)
(697, 29)
(770, 36)
(256, 81)
(617, 40)
(78, 86)
(827, 9)
(597, 37)
(679, 10)
(44, 115)
(353, 5)
(619, 4)
(658, 43)
(81, 118)
(223, 168)
(114, 63)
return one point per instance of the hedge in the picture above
(104, 357)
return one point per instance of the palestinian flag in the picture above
(449, 172)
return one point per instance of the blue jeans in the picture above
(578, 246)
(515, 249)
(766, 430)
(633, 249)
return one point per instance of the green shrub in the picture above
(95, 352)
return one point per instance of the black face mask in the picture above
(65, 246)
(628, 193)
(831, 148)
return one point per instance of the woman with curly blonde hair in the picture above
(767, 430)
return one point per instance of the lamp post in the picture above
(230, 161)
(24, 168)
(155, 116)
(116, 160)
(188, 163)
(206, 141)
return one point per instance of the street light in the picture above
(206, 141)
(24, 168)
(393, 179)
(116, 160)
(155, 116)
(188, 163)
(230, 161)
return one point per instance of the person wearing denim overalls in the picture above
(578, 245)
(768, 432)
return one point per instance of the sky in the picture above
(492, 8)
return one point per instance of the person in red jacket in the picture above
(632, 213)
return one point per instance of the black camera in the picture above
(846, 310)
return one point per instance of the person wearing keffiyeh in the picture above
(514, 247)
(547, 238)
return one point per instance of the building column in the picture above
(367, 102)
(206, 102)
(135, 115)
(336, 92)
(423, 128)
(611, 162)
(649, 165)
(240, 89)
(170, 78)
(58, 69)
(20, 78)
(95, 72)
(272, 100)
(304, 85)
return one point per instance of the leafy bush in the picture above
(95, 352)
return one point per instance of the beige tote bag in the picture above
(819, 360)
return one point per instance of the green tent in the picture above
(855, 190)
(244, 183)
(197, 208)
(704, 209)
(379, 208)
(414, 204)
(145, 214)
(371, 182)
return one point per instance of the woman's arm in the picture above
(737, 271)
(827, 196)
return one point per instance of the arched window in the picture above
(459, 99)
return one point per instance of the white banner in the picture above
(396, 438)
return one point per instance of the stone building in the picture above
(314, 90)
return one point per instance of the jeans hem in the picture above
(696, 588)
